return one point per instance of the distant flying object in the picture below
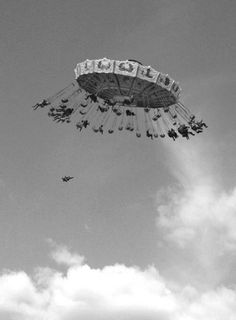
(67, 178)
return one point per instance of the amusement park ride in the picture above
(110, 94)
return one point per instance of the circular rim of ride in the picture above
(121, 81)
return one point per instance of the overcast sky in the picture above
(147, 229)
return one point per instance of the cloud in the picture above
(19, 298)
(112, 292)
(196, 207)
(197, 216)
(61, 255)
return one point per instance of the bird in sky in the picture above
(67, 178)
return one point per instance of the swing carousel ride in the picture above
(109, 95)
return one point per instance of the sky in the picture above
(147, 229)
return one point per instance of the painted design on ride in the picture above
(103, 65)
(128, 68)
(86, 66)
(147, 73)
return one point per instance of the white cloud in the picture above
(212, 305)
(112, 292)
(62, 255)
(19, 298)
(197, 216)
(197, 207)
